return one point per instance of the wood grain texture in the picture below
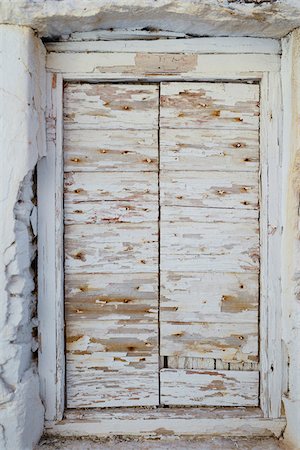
(231, 342)
(111, 245)
(111, 248)
(211, 189)
(111, 365)
(209, 149)
(111, 186)
(209, 247)
(114, 211)
(209, 230)
(212, 388)
(110, 150)
(209, 105)
(193, 296)
(110, 106)
(119, 297)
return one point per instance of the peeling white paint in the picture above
(22, 142)
(291, 232)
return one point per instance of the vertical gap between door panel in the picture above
(158, 195)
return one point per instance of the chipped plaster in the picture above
(22, 141)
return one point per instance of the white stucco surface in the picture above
(21, 141)
(269, 18)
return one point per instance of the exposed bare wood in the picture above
(111, 245)
(117, 297)
(209, 149)
(110, 106)
(111, 248)
(209, 105)
(164, 422)
(110, 150)
(209, 189)
(132, 66)
(110, 186)
(213, 388)
(191, 297)
(227, 341)
(209, 247)
(111, 365)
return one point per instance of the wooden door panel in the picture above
(209, 241)
(110, 150)
(209, 388)
(200, 148)
(111, 245)
(110, 107)
(230, 106)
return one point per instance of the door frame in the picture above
(205, 59)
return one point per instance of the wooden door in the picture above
(180, 286)
(209, 241)
(111, 244)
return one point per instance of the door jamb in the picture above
(70, 66)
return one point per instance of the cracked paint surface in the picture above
(22, 142)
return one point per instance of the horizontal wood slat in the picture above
(227, 341)
(118, 297)
(111, 248)
(110, 106)
(212, 388)
(209, 149)
(191, 296)
(209, 105)
(124, 211)
(111, 186)
(211, 189)
(226, 247)
(110, 150)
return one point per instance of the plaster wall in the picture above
(291, 231)
(260, 18)
(22, 141)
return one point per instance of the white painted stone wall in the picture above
(22, 138)
(22, 143)
(265, 18)
(291, 231)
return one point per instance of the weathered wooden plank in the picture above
(189, 297)
(213, 149)
(209, 189)
(110, 106)
(103, 41)
(155, 66)
(209, 105)
(195, 294)
(110, 150)
(211, 388)
(111, 365)
(159, 423)
(206, 247)
(111, 186)
(227, 341)
(109, 212)
(121, 297)
(111, 248)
